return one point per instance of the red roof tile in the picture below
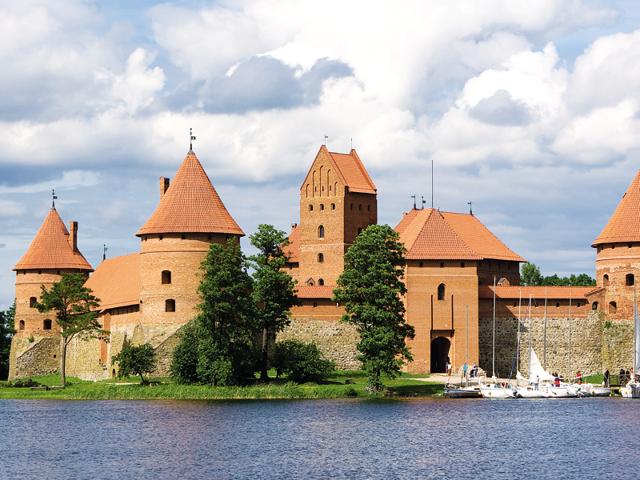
(432, 234)
(116, 281)
(50, 249)
(315, 291)
(352, 170)
(292, 251)
(191, 204)
(514, 292)
(624, 224)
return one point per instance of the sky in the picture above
(529, 109)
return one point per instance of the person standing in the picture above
(606, 378)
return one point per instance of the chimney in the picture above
(73, 235)
(164, 186)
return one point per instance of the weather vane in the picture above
(326, 137)
(470, 207)
(424, 202)
(414, 202)
(104, 251)
(54, 197)
(192, 137)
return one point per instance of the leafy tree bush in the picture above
(219, 347)
(530, 276)
(301, 362)
(371, 290)
(6, 333)
(136, 360)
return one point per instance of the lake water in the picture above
(578, 438)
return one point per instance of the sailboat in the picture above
(466, 390)
(632, 389)
(493, 390)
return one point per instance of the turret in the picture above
(174, 241)
(53, 251)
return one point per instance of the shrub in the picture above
(184, 362)
(136, 360)
(301, 362)
(24, 383)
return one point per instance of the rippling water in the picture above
(582, 438)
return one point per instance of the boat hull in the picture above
(462, 393)
(497, 392)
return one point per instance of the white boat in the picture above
(455, 391)
(563, 391)
(530, 392)
(493, 390)
(632, 389)
(592, 390)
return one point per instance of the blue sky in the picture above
(529, 109)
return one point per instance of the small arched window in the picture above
(322, 206)
(441, 291)
(21, 325)
(605, 280)
(360, 207)
(166, 277)
(594, 306)
(333, 206)
(630, 279)
(321, 231)
(46, 324)
(310, 207)
(613, 306)
(320, 257)
(170, 305)
(33, 301)
(321, 281)
(310, 282)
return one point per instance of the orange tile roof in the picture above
(292, 251)
(350, 171)
(514, 291)
(191, 204)
(50, 248)
(624, 224)
(315, 291)
(116, 281)
(432, 234)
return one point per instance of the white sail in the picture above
(536, 372)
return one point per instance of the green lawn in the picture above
(341, 385)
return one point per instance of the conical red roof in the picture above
(191, 204)
(50, 249)
(624, 224)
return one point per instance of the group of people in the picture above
(466, 371)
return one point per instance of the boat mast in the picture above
(544, 351)
(530, 334)
(493, 340)
(570, 332)
(466, 354)
(635, 333)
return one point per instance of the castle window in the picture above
(320, 257)
(630, 279)
(322, 206)
(558, 305)
(594, 306)
(360, 207)
(33, 301)
(333, 206)
(46, 324)
(441, 291)
(310, 207)
(321, 231)
(321, 281)
(166, 277)
(21, 325)
(170, 305)
(613, 306)
(310, 282)
(315, 304)
(359, 230)
(605, 280)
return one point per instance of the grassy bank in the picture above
(341, 385)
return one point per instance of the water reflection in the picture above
(318, 439)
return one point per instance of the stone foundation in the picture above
(336, 340)
(30, 358)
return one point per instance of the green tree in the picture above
(76, 312)
(371, 290)
(7, 318)
(301, 362)
(530, 275)
(274, 289)
(136, 360)
(220, 343)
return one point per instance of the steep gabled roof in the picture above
(624, 224)
(350, 169)
(292, 251)
(51, 249)
(116, 281)
(432, 234)
(191, 205)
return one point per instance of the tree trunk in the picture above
(63, 361)
(265, 355)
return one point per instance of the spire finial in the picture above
(54, 197)
(326, 137)
(191, 139)
(470, 207)
(424, 202)
(104, 251)
(414, 202)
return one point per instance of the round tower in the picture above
(175, 240)
(618, 256)
(53, 251)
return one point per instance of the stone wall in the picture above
(591, 344)
(38, 357)
(336, 340)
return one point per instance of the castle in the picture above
(453, 261)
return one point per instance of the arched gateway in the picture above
(439, 353)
